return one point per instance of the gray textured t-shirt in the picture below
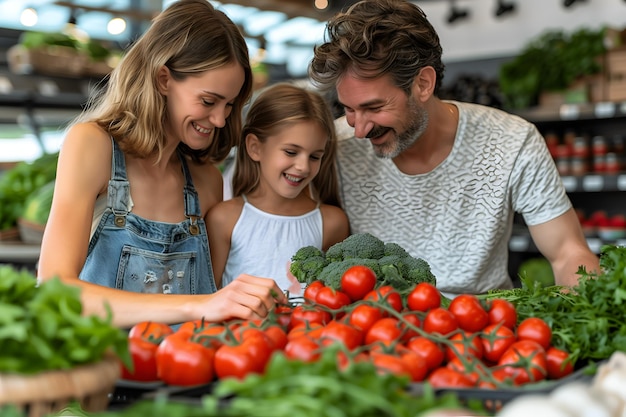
(459, 216)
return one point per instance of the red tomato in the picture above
(337, 331)
(424, 297)
(183, 362)
(464, 344)
(363, 316)
(303, 348)
(143, 355)
(427, 349)
(524, 361)
(311, 290)
(150, 330)
(212, 334)
(241, 359)
(332, 298)
(474, 370)
(357, 281)
(407, 364)
(558, 364)
(408, 325)
(441, 321)
(534, 328)
(385, 331)
(281, 316)
(496, 339)
(469, 312)
(386, 295)
(310, 314)
(313, 330)
(501, 310)
(277, 335)
(444, 377)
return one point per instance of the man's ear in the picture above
(163, 78)
(253, 147)
(424, 83)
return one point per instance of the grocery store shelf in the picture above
(594, 182)
(582, 111)
(18, 252)
(524, 243)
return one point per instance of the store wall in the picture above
(484, 36)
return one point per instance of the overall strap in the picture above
(118, 195)
(192, 201)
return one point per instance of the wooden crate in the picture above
(615, 69)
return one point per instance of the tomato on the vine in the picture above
(440, 320)
(496, 339)
(469, 312)
(409, 322)
(331, 298)
(363, 316)
(337, 331)
(249, 356)
(311, 290)
(524, 361)
(277, 335)
(445, 377)
(386, 295)
(536, 329)
(423, 297)
(501, 310)
(357, 281)
(183, 362)
(407, 364)
(308, 314)
(464, 344)
(150, 330)
(431, 351)
(143, 355)
(558, 363)
(385, 331)
(303, 348)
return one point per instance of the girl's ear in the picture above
(424, 83)
(253, 146)
(163, 77)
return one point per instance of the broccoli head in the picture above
(410, 269)
(331, 274)
(418, 270)
(358, 245)
(307, 263)
(392, 248)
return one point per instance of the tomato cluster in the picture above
(469, 343)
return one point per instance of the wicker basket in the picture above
(30, 232)
(53, 60)
(49, 392)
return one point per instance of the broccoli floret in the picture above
(331, 274)
(359, 245)
(418, 270)
(307, 263)
(392, 248)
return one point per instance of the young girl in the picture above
(136, 177)
(284, 189)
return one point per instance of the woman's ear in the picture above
(163, 77)
(253, 147)
(424, 83)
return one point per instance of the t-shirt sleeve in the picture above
(537, 190)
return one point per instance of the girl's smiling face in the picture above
(290, 159)
(197, 105)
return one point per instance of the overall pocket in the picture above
(146, 271)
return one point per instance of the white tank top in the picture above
(262, 244)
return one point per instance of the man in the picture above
(441, 178)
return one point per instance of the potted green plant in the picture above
(551, 63)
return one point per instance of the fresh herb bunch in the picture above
(42, 326)
(588, 320)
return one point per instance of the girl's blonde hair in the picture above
(189, 38)
(276, 108)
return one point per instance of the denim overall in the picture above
(131, 253)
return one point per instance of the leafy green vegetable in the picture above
(588, 320)
(42, 327)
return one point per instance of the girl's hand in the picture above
(247, 297)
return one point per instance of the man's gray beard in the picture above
(418, 121)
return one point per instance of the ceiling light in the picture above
(116, 26)
(456, 13)
(504, 8)
(29, 17)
